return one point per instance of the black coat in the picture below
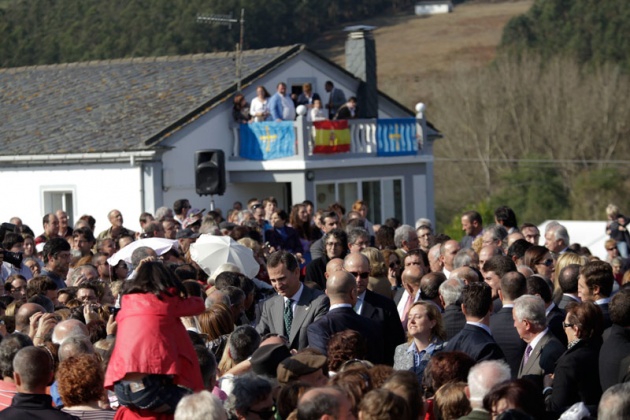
(475, 342)
(454, 320)
(576, 377)
(316, 271)
(33, 406)
(383, 310)
(506, 336)
(616, 346)
(606, 314)
(291, 243)
(554, 323)
(341, 319)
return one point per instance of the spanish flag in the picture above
(331, 137)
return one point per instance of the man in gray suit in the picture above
(336, 99)
(543, 348)
(295, 307)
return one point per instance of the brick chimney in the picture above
(361, 61)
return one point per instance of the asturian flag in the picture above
(331, 137)
(396, 137)
(267, 140)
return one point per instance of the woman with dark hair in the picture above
(343, 346)
(281, 236)
(539, 259)
(394, 268)
(300, 220)
(426, 336)
(519, 394)
(120, 271)
(80, 382)
(240, 110)
(154, 364)
(576, 376)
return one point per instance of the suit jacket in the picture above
(576, 377)
(337, 98)
(291, 243)
(303, 100)
(318, 249)
(542, 359)
(475, 342)
(316, 271)
(616, 346)
(313, 304)
(506, 336)
(606, 314)
(554, 323)
(404, 360)
(398, 295)
(454, 320)
(565, 301)
(341, 319)
(383, 310)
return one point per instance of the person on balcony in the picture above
(307, 97)
(240, 110)
(347, 111)
(259, 108)
(335, 100)
(317, 113)
(281, 106)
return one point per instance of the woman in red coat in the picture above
(154, 364)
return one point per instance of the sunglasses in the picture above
(357, 274)
(255, 206)
(265, 414)
(567, 325)
(546, 262)
(394, 264)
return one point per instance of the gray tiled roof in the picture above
(116, 105)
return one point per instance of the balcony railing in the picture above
(304, 139)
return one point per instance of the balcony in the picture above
(305, 140)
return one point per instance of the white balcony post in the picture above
(302, 131)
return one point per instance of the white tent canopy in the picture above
(587, 233)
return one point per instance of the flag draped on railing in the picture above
(331, 137)
(267, 140)
(396, 137)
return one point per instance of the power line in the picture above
(535, 161)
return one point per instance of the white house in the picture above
(89, 137)
(433, 7)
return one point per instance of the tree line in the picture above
(54, 31)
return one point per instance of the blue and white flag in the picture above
(267, 140)
(396, 137)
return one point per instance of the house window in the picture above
(59, 200)
(383, 196)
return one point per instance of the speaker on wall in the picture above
(210, 172)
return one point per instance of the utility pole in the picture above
(228, 20)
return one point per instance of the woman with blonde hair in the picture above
(564, 260)
(377, 282)
(426, 334)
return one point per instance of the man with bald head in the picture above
(374, 306)
(51, 229)
(448, 250)
(488, 252)
(326, 402)
(410, 292)
(116, 230)
(336, 264)
(69, 328)
(341, 288)
(465, 274)
(23, 317)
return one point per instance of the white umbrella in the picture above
(159, 245)
(211, 251)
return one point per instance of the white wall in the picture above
(96, 191)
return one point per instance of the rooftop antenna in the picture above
(228, 20)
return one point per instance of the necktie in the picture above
(528, 351)
(405, 317)
(288, 316)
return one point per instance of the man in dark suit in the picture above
(295, 307)
(341, 289)
(568, 282)
(336, 99)
(475, 339)
(513, 286)
(617, 343)
(536, 285)
(453, 318)
(595, 285)
(328, 221)
(543, 348)
(493, 271)
(375, 307)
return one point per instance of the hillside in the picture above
(414, 52)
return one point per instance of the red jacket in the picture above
(152, 339)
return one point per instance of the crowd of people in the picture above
(345, 319)
(281, 106)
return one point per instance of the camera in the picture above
(14, 258)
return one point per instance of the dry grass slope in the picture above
(415, 52)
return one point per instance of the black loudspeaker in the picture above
(210, 172)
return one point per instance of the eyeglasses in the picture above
(333, 243)
(567, 325)
(364, 275)
(264, 414)
(610, 249)
(255, 206)
(547, 263)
